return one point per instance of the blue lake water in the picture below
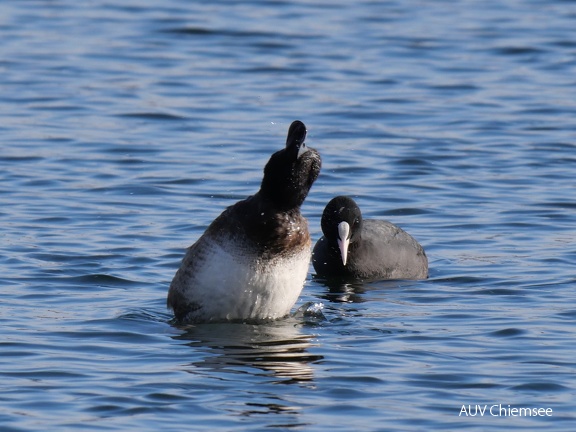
(128, 126)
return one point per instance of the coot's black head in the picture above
(342, 223)
(290, 172)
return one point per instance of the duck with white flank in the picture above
(251, 262)
(365, 249)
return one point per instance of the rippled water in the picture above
(128, 126)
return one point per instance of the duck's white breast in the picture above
(233, 285)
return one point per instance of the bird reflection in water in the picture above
(342, 291)
(350, 290)
(279, 348)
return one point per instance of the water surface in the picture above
(127, 127)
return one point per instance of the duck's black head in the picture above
(342, 223)
(290, 172)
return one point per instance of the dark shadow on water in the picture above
(279, 348)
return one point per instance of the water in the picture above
(128, 126)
